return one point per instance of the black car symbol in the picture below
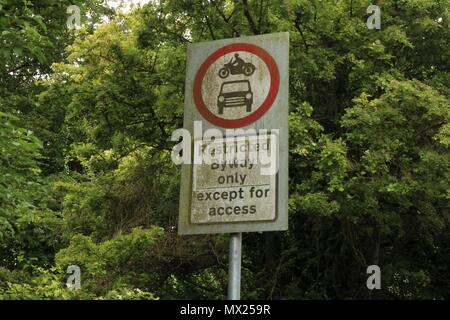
(235, 94)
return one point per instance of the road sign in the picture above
(236, 99)
(236, 85)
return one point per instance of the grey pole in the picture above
(234, 267)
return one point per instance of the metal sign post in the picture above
(234, 267)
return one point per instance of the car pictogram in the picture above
(235, 94)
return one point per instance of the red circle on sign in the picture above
(258, 113)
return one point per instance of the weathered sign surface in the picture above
(237, 87)
(233, 191)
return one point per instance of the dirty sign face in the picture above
(236, 88)
(234, 190)
(236, 85)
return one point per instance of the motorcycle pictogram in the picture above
(238, 66)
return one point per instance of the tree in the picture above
(369, 139)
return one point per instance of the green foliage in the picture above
(86, 176)
(25, 205)
(46, 285)
(109, 268)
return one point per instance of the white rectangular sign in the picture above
(235, 189)
(236, 90)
